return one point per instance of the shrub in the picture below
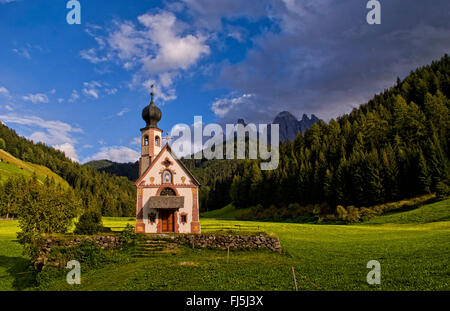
(342, 212)
(89, 223)
(352, 213)
(128, 235)
(442, 190)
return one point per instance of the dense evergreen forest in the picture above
(110, 194)
(396, 146)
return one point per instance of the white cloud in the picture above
(36, 98)
(91, 56)
(69, 151)
(51, 132)
(22, 52)
(74, 96)
(221, 107)
(158, 45)
(119, 154)
(7, 1)
(95, 88)
(4, 90)
(9, 108)
(122, 112)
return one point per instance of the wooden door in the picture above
(167, 221)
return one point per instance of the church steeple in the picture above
(151, 114)
(150, 135)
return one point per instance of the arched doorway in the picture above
(167, 216)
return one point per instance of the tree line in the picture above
(396, 146)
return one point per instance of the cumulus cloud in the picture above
(157, 46)
(54, 133)
(36, 98)
(223, 106)
(74, 96)
(51, 132)
(69, 151)
(95, 88)
(118, 154)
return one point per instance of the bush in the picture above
(342, 212)
(128, 235)
(89, 223)
(442, 190)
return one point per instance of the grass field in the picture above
(412, 247)
(11, 166)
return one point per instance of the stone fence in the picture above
(48, 243)
(232, 241)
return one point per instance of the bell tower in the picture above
(151, 138)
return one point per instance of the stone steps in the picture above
(153, 247)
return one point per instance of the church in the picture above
(167, 193)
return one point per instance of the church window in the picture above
(167, 177)
(145, 140)
(151, 218)
(183, 218)
(167, 192)
(157, 141)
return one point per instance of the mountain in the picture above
(290, 126)
(128, 170)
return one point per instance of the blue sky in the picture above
(81, 88)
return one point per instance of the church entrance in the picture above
(167, 220)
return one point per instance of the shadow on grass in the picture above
(20, 270)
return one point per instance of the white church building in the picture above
(167, 193)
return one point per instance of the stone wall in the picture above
(104, 241)
(260, 241)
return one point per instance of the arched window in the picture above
(167, 192)
(167, 177)
(145, 140)
(157, 141)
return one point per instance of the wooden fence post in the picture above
(295, 279)
(228, 254)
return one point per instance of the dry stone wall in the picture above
(259, 241)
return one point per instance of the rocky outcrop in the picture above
(260, 241)
(290, 126)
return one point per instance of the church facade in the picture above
(167, 193)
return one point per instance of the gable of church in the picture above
(167, 169)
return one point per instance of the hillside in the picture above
(393, 147)
(11, 167)
(110, 194)
(128, 170)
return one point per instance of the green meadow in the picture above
(412, 247)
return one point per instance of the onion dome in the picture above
(151, 114)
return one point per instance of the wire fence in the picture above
(229, 227)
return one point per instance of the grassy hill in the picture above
(439, 211)
(10, 166)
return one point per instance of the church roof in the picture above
(167, 147)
